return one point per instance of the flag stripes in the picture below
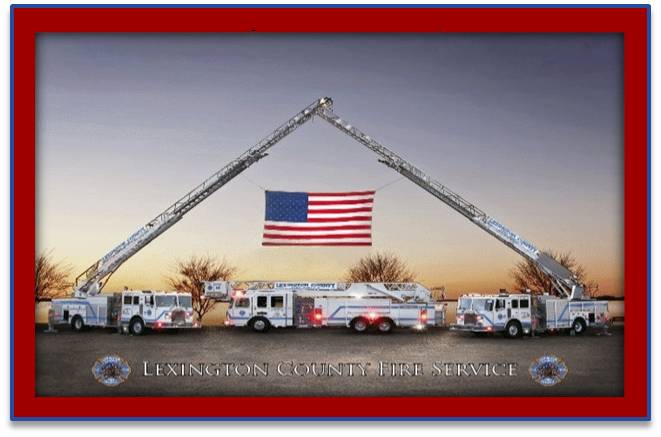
(318, 219)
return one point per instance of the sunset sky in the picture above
(527, 127)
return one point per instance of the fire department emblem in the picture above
(111, 370)
(548, 370)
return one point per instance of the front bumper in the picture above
(471, 328)
(171, 325)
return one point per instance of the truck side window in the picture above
(500, 304)
(525, 303)
(261, 301)
(489, 305)
(277, 302)
(515, 303)
(136, 300)
(127, 300)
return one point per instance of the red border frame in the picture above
(631, 21)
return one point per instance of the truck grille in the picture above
(178, 317)
(470, 319)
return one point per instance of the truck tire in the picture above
(578, 326)
(513, 329)
(260, 324)
(385, 325)
(136, 326)
(77, 323)
(360, 324)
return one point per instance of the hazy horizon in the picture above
(526, 126)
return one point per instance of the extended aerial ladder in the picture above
(91, 280)
(563, 280)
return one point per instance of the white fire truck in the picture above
(359, 306)
(521, 314)
(130, 310)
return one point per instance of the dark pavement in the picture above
(65, 359)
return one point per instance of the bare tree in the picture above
(51, 278)
(380, 267)
(190, 274)
(527, 275)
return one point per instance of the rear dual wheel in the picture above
(579, 326)
(385, 326)
(360, 325)
(77, 323)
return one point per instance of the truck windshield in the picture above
(464, 304)
(185, 301)
(476, 304)
(479, 304)
(166, 301)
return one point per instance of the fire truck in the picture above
(131, 310)
(516, 315)
(359, 306)
(91, 282)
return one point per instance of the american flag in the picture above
(318, 219)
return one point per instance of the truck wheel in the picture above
(136, 326)
(359, 324)
(385, 326)
(513, 329)
(578, 326)
(260, 324)
(77, 323)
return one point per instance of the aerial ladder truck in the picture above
(262, 305)
(91, 282)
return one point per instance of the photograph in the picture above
(309, 229)
(319, 216)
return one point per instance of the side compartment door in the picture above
(278, 310)
(303, 311)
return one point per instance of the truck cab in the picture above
(142, 309)
(261, 310)
(507, 313)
